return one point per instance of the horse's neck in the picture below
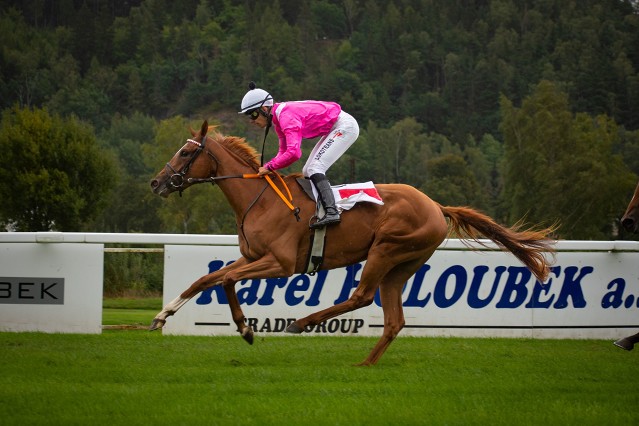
(239, 192)
(242, 194)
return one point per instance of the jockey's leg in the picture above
(325, 196)
(325, 153)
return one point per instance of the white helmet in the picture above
(255, 98)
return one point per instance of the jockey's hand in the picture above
(263, 171)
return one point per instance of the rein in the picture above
(285, 198)
(177, 179)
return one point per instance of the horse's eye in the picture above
(184, 153)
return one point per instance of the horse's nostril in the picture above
(154, 183)
(627, 223)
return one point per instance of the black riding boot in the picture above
(325, 195)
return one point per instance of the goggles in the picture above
(253, 114)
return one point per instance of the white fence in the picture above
(53, 282)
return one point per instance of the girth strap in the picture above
(316, 253)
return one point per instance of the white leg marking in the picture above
(171, 308)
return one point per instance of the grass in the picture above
(132, 377)
(151, 303)
(136, 312)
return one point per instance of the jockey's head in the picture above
(253, 102)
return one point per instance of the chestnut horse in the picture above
(396, 238)
(630, 221)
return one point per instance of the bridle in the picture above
(176, 180)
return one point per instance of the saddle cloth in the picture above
(347, 195)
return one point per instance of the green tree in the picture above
(629, 149)
(451, 182)
(202, 208)
(560, 166)
(131, 205)
(54, 177)
(89, 99)
(329, 19)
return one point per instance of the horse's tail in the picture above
(527, 245)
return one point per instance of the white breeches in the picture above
(332, 146)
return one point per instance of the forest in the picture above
(524, 109)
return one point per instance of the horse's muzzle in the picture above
(160, 189)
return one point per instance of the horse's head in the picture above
(186, 166)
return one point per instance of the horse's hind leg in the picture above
(390, 292)
(363, 295)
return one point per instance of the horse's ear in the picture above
(205, 128)
(193, 133)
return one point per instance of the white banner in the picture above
(55, 288)
(457, 293)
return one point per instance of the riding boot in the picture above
(325, 195)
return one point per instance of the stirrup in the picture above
(328, 219)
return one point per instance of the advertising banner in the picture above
(55, 288)
(589, 294)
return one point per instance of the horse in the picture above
(630, 221)
(395, 238)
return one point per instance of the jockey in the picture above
(297, 120)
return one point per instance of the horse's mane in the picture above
(239, 146)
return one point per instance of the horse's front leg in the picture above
(201, 284)
(266, 267)
(236, 312)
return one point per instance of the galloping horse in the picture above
(396, 238)
(630, 221)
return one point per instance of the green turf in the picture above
(134, 317)
(152, 303)
(139, 378)
(137, 312)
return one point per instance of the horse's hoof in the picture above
(157, 324)
(624, 344)
(294, 328)
(247, 335)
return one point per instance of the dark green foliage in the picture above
(423, 78)
(133, 274)
(551, 153)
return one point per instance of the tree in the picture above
(561, 166)
(131, 205)
(54, 175)
(201, 209)
(451, 182)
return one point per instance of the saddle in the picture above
(346, 196)
(307, 186)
